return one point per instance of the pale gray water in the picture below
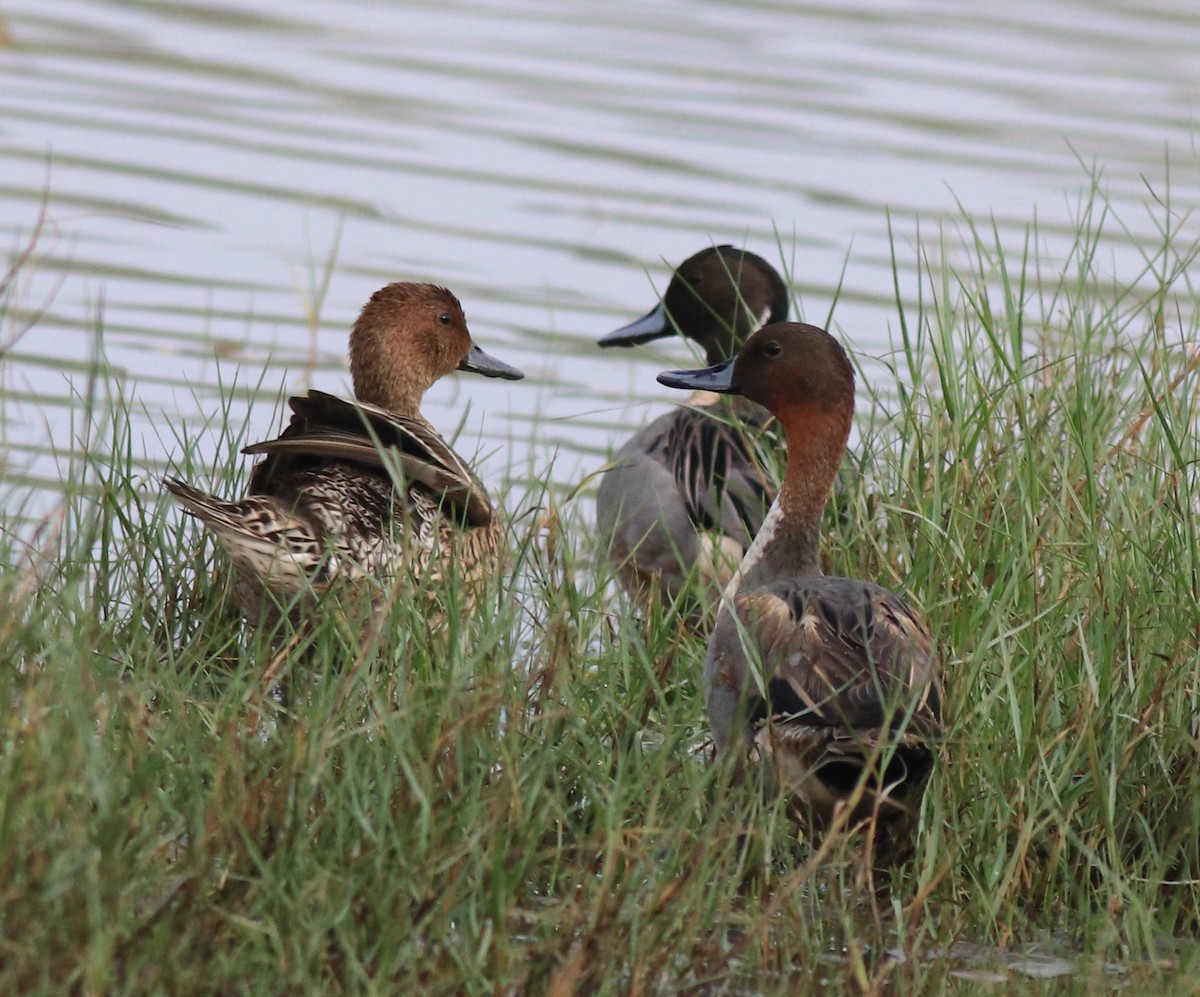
(538, 158)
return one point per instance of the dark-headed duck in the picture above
(689, 491)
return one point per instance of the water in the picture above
(204, 163)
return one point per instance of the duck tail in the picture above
(211, 510)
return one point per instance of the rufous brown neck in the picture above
(788, 543)
(816, 439)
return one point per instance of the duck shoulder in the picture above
(325, 429)
(842, 653)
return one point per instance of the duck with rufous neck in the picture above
(833, 682)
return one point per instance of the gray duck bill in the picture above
(478, 362)
(719, 378)
(652, 325)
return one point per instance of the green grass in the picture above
(523, 802)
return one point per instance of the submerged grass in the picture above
(524, 802)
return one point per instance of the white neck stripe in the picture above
(766, 533)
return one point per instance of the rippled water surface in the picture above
(220, 186)
(226, 183)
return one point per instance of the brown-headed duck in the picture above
(365, 489)
(834, 682)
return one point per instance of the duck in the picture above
(832, 683)
(363, 490)
(680, 502)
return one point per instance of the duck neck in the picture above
(782, 548)
(377, 385)
(788, 543)
(380, 378)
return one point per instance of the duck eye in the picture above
(444, 318)
(772, 349)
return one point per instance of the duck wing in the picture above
(719, 470)
(847, 700)
(326, 428)
(841, 653)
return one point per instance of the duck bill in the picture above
(652, 325)
(719, 378)
(478, 362)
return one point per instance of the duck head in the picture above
(802, 376)
(716, 298)
(406, 337)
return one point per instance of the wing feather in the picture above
(325, 427)
(843, 653)
(721, 475)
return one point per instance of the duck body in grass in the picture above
(683, 498)
(833, 682)
(363, 490)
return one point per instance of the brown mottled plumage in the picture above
(363, 491)
(832, 681)
(689, 491)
